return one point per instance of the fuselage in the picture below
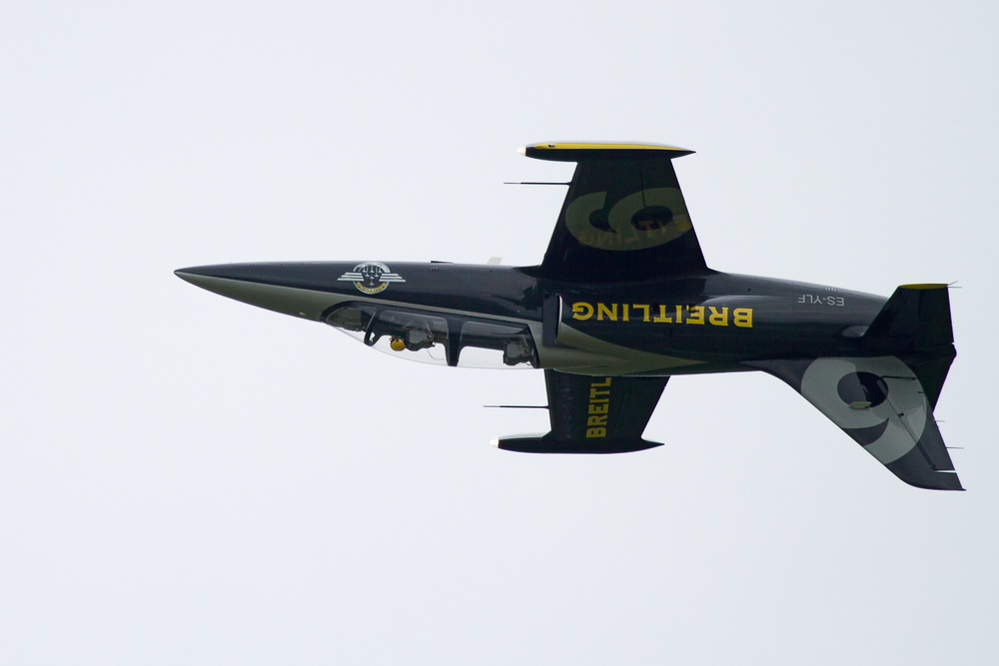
(707, 322)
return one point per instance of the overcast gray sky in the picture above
(187, 479)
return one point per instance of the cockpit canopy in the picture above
(445, 339)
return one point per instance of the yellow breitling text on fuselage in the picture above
(598, 408)
(664, 314)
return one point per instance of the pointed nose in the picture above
(293, 289)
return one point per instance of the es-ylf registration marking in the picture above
(814, 299)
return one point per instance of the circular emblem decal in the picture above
(371, 277)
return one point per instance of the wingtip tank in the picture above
(573, 151)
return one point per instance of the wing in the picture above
(880, 402)
(624, 217)
(594, 415)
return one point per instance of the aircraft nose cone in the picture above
(271, 273)
(294, 289)
(206, 277)
(195, 275)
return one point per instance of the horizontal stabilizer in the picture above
(880, 402)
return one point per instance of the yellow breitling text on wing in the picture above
(598, 408)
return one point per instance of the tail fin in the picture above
(882, 405)
(884, 399)
(915, 325)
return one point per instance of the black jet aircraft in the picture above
(622, 301)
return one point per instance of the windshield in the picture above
(435, 338)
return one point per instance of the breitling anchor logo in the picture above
(371, 277)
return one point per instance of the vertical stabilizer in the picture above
(885, 398)
(881, 403)
(915, 325)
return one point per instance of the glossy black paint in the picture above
(789, 319)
